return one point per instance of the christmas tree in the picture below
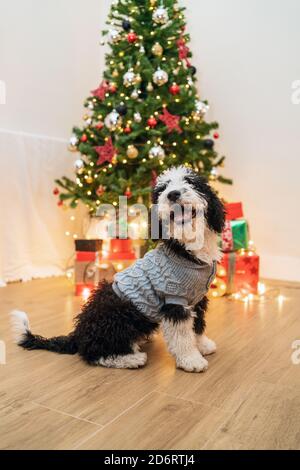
(146, 114)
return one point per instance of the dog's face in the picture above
(186, 199)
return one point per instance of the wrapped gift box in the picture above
(234, 210)
(235, 235)
(241, 272)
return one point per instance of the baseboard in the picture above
(284, 268)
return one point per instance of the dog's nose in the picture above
(174, 196)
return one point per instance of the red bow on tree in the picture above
(183, 51)
(101, 90)
(106, 152)
(171, 121)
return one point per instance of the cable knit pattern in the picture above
(162, 277)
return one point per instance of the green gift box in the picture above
(235, 235)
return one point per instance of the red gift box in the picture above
(234, 210)
(241, 272)
(121, 250)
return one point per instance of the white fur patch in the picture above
(181, 341)
(20, 324)
(130, 361)
(206, 346)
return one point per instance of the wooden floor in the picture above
(248, 399)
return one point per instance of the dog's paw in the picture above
(129, 361)
(192, 363)
(206, 346)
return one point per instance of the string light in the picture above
(86, 292)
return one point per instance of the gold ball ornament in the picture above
(132, 152)
(115, 73)
(89, 180)
(150, 87)
(157, 49)
(160, 77)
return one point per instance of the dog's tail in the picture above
(27, 340)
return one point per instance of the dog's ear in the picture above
(215, 213)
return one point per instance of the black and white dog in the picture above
(111, 327)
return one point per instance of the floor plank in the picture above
(248, 398)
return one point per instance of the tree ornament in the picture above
(150, 87)
(208, 144)
(171, 121)
(183, 51)
(99, 125)
(122, 109)
(73, 140)
(193, 70)
(89, 180)
(216, 135)
(114, 36)
(160, 77)
(153, 178)
(157, 152)
(128, 193)
(115, 73)
(201, 108)
(157, 49)
(91, 105)
(113, 120)
(78, 164)
(142, 49)
(129, 78)
(174, 89)
(132, 38)
(106, 152)
(101, 91)
(56, 191)
(60, 203)
(214, 173)
(112, 88)
(84, 138)
(160, 16)
(100, 191)
(132, 152)
(152, 122)
(126, 25)
(135, 94)
(137, 117)
(127, 130)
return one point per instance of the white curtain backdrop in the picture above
(32, 238)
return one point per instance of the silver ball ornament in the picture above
(160, 77)
(201, 108)
(113, 120)
(78, 164)
(157, 152)
(135, 94)
(73, 140)
(114, 36)
(129, 78)
(160, 16)
(137, 117)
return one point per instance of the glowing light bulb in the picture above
(261, 288)
(86, 292)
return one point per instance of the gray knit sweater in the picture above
(162, 277)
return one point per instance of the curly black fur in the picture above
(107, 326)
(215, 213)
(199, 322)
(174, 313)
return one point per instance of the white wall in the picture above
(247, 56)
